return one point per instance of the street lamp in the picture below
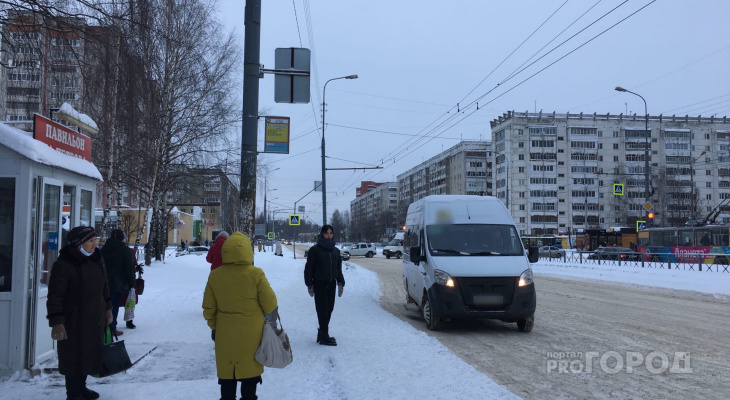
(646, 148)
(324, 176)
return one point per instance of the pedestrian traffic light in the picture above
(650, 215)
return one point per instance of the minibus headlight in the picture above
(526, 278)
(442, 278)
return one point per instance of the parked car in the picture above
(359, 249)
(197, 250)
(551, 252)
(615, 253)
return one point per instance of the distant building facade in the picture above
(41, 66)
(556, 172)
(373, 213)
(462, 169)
(216, 195)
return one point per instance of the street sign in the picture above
(294, 219)
(648, 206)
(618, 189)
(259, 230)
(276, 135)
(292, 88)
(271, 236)
(300, 209)
(317, 186)
(640, 225)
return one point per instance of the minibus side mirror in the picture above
(416, 254)
(533, 254)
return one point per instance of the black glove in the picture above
(139, 269)
(212, 334)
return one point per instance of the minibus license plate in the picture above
(488, 300)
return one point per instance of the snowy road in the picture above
(582, 316)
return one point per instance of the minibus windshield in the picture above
(473, 240)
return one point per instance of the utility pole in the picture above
(249, 134)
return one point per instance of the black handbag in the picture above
(139, 284)
(116, 359)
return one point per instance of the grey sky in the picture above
(417, 59)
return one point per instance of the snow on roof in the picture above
(634, 128)
(23, 143)
(676, 130)
(68, 109)
(722, 131)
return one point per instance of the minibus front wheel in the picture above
(432, 322)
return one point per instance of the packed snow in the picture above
(378, 356)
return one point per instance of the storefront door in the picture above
(48, 232)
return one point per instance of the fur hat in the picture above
(81, 234)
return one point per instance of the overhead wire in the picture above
(523, 81)
(541, 70)
(512, 75)
(514, 51)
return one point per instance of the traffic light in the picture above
(650, 215)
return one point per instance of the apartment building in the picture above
(373, 212)
(216, 195)
(41, 66)
(556, 172)
(465, 168)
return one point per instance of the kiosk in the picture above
(45, 190)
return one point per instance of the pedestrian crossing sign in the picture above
(294, 219)
(271, 236)
(618, 189)
(640, 225)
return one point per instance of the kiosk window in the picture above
(7, 213)
(85, 210)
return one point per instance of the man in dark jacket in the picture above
(119, 269)
(79, 308)
(322, 275)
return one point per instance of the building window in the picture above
(583, 131)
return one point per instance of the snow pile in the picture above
(716, 283)
(83, 118)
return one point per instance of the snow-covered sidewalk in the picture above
(378, 357)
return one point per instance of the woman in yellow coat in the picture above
(237, 297)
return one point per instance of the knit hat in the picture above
(81, 234)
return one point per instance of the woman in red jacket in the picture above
(214, 253)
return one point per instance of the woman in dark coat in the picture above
(79, 307)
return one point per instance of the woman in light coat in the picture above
(237, 297)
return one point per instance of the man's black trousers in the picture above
(324, 302)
